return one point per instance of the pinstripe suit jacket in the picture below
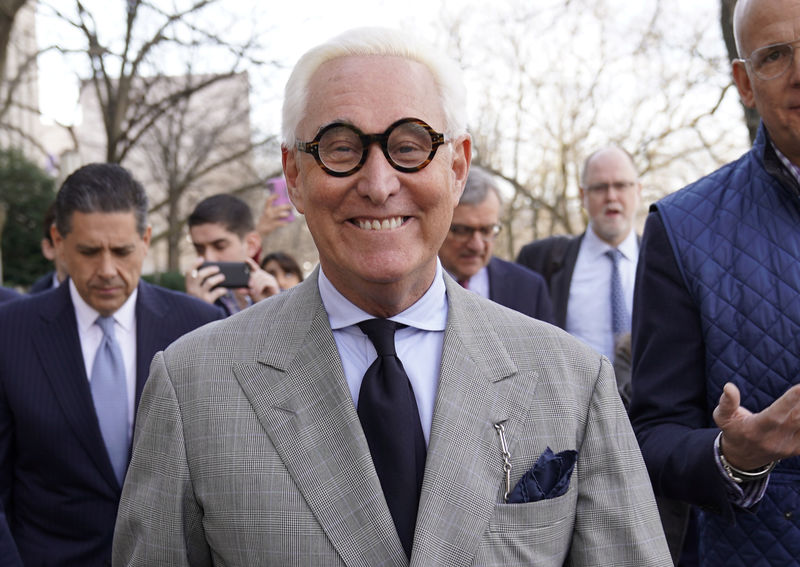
(249, 451)
(57, 487)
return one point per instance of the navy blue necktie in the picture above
(390, 419)
(110, 396)
(620, 318)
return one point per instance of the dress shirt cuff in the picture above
(745, 495)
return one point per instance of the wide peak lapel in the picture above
(152, 334)
(59, 349)
(464, 477)
(303, 403)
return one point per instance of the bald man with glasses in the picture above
(716, 322)
(467, 252)
(591, 276)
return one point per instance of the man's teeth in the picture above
(385, 224)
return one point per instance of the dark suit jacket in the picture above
(554, 258)
(520, 289)
(43, 283)
(7, 294)
(57, 486)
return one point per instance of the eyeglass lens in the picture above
(467, 232)
(617, 186)
(341, 148)
(772, 61)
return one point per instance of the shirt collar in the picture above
(86, 315)
(792, 168)
(596, 247)
(429, 313)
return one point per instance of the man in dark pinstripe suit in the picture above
(58, 490)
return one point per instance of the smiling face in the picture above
(103, 254)
(611, 194)
(378, 230)
(766, 22)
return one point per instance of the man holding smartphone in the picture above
(223, 233)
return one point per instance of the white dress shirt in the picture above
(90, 336)
(419, 346)
(589, 305)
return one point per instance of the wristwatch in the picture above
(738, 475)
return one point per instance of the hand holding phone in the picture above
(237, 274)
(278, 209)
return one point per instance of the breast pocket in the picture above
(535, 533)
(543, 514)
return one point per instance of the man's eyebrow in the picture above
(342, 121)
(123, 247)
(87, 248)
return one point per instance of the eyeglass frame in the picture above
(749, 60)
(488, 232)
(382, 139)
(618, 186)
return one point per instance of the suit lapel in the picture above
(496, 292)
(499, 283)
(464, 478)
(152, 334)
(562, 279)
(299, 392)
(59, 350)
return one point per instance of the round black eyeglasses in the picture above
(340, 149)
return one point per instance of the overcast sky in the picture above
(290, 28)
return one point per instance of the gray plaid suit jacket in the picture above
(249, 451)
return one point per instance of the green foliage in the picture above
(26, 191)
(171, 280)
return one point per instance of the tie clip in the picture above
(501, 432)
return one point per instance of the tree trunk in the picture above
(8, 11)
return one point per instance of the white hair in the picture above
(381, 42)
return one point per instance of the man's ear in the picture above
(743, 84)
(462, 157)
(55, 236)
(252, 243)
(290, 172)
(148, 234)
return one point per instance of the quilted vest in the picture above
(736, 238)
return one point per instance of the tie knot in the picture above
(381, 333)
(107, 325)
(614, 254)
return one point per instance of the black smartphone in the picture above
(237, 274)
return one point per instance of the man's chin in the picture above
(107, 304)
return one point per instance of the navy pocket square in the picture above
(548, 478)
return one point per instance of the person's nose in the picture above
(377, 180)
(614, 193)
(210, 256)
(476, 242)
(107, 268)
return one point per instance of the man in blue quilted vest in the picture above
(716, 320)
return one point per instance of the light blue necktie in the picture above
(620, 318)
(110, 395)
